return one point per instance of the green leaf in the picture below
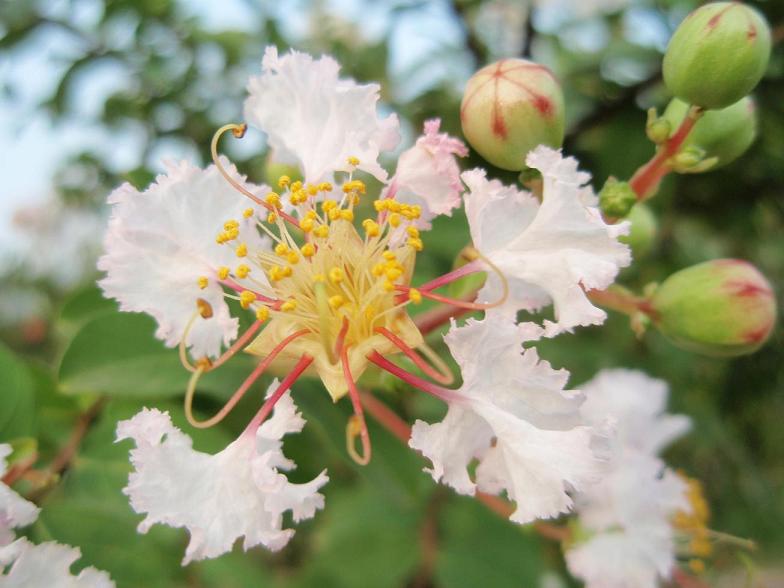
(118, 355)
(84, 305)
(17, 401)
(481, 549)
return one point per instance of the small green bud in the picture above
(724, 134)
(616, 198)
(509, 108)
(658, 129)
(720, 308)
(717, 55)
(688, 158)
(642, 234)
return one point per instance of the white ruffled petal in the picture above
(46, 566)
(316, 120)
(219, 498)
(513, 416)
(549, 252)
(428, 174)
(637, 403)
(161, 241)
(15, 511)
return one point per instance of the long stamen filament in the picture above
(444, 394)
(324, 312)
(237, 396)
(467, 269)
(356, 425)
(440, 373)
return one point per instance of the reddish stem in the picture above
(620, 300)
(414, 356)
(647, 178)
(341, 339)
(270, 403)
(353, 393)
(438, 391)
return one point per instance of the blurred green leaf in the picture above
(17, 401)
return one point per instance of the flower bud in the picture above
(720, 308)
(724, 134)
(509, 108)
(616, 199)
(642, 234)
(717, 55)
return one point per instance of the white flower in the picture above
(628, 514)
(15, 511)
(161, 242)
(514, 416)
(637, 404)
(238, 492)
(46, 566)
(428, 174)
(316, 120)
(553, 251)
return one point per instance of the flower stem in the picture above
(620, 299)
(647, 178)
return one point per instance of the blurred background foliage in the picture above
(155, 78)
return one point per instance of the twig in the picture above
(62, 461)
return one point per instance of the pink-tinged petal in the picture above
(428, 174)
(549, 252)
(316, 120)
(46, 565)
(161, 241)
(15, 511)
(515, 418)
(239, 492)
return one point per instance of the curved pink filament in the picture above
(429, 370)
(341, 339)
(353, 393)
(269, 404)
(467, 269)
(444, 394)
(451, 301)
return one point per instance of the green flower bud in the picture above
(720, 308)
(616, 198)
(509, 108)
(724, 134)
(717, 55)
(642, 234)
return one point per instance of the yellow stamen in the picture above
(242, 250)
(262, 313)
(247, 298)
(203, 282)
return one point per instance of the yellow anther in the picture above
(242, 250)
(347, 215)
(242, 271)
(223, 272)
(380, 205)
(248, 212)
(273, 199)
(275, 273)
(394, 219)
(392, 273)
(336, 301)
(204, 308)
(412, 231)
(221, 238)
(416, 243)
(415, 296)
(319, 279)
(292, 257)
(203, 282)
(311, 214)
(281, 249)
(394, 205)
(335, 275)
(289, 306)
(353, 161)
(308, 250)
(299, 197)
(230, 224)
(334, 214)
(272, 218)
(312, 190)
(328, 205)
(325, 187)
(371, 227)
(370, 313)
(307, 224)
(700, 547)
(697, 566)
(416, 211)
(296, 186)
(388, 286)
(286, 271)
(284, 181)
(262, 314)
(321, 231)
(377, 270)
(247, 298)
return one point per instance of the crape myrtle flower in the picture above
(26, 565)
(636, 522)
(326, 270)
